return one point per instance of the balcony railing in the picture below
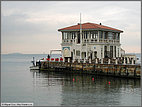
(72, 41)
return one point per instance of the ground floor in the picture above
(86, 52)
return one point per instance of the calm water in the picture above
(19, 84)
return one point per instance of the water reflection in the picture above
(88, 89)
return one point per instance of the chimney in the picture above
(100, 23)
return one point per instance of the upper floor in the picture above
(90, 37)
(90, 33)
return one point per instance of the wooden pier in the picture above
(117, 70)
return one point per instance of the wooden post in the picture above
(115, 69)
(95, 68)
(135, 71)
(82, 67)
(48, 65)
(126, 70)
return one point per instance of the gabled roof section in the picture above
(87, 26)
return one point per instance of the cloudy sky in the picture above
(32, 26)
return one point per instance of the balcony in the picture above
(109, 41)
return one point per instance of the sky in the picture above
(31, 27)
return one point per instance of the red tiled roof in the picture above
(89, 26)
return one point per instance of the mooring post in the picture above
(135, 71)
(39, 65)
(33, 61)
(115, 69)
(120, 71)
(70, 66)
(126, 70)
(95, 68)
(82, 65)
(48, 65)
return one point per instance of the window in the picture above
(111, 51)
(85, 35)
(106, 35)
(96, 34)
(100, 34)
(115, 50)
(77, 53)
(95, 54)
(65, 35)
(117, 36)
(68, 35)
(62, 35)
(73, 35)
(110, 36)
(93, 34)
(114, 35)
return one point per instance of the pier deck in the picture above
(118, 70)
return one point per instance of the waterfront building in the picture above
(89, 41)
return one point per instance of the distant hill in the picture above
(14, 53)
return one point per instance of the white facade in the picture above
(91, 44)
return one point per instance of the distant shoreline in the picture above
(40, 54)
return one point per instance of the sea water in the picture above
(20, 85)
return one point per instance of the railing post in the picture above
(109, 61)
(89, 60)
(102, 61)
(84, 61)
(132, 62)
(124, 61)
(96, 60)
(116, 62)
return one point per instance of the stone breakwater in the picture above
(118, 70)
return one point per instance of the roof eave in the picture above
(91, 29)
